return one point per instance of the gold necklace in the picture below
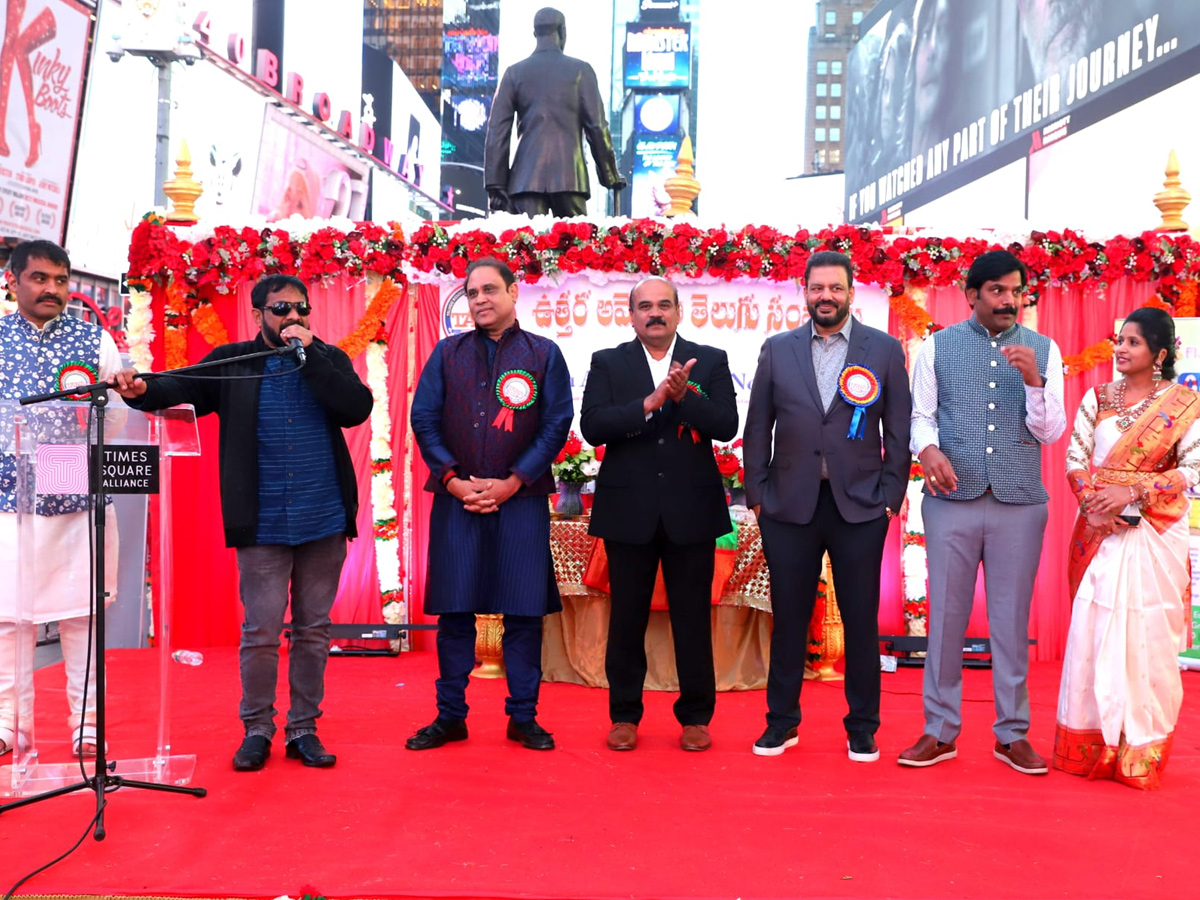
(1126, 416)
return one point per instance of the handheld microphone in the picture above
(298, 345)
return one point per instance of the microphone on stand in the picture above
(298, 345)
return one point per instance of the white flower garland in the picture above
(139, 330)
(383, 492)
(914, 564)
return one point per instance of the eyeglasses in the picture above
(282, 308)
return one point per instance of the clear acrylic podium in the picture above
(44, 452)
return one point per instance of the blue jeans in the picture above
(268, 574)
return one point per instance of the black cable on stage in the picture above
(40, 869)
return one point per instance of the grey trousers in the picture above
(1007, 539)
(268, 574)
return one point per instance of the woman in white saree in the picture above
(1134, 451)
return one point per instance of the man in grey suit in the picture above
(835, 395)
(556, 101)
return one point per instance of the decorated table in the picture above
(574, 640)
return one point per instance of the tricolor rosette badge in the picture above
(76, 374)
(859, 387)
(516, 389)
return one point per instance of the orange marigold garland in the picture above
(912, 314)
(208, 322)
(1189, 294)
(175, 316)
(368, 326)
(1095, 355)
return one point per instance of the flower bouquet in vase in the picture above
(574, 467)
(729, 464)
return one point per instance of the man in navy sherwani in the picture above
(491, 411)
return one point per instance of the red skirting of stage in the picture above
(487, 818)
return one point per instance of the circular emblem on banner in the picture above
(859, 387)
(516, 389)
(76, 374)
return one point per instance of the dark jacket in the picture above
(658, 470)
(557, 102)
(330, 378)
(787, 432)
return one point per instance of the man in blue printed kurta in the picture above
(40, 345)
(491, 411)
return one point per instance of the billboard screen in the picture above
(469, 58)
(470, 61)
(656, 113)
(45, 52)
(300, 173)
(941, 92)
(654, 161)
(658, 56)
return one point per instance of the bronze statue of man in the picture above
(556, 101)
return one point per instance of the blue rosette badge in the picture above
(859, 387)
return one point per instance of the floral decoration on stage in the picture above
(228, 256)
(184, 270)
(385, 528)
(913, 563)
(729, 464)
(577, 463)
(318, 250)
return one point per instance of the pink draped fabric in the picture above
(424, 328)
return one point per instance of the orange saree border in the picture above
(1083, 752)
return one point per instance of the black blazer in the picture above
(329, 376)
(657, 469)
(787, 432)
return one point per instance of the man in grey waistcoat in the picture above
(987, 394)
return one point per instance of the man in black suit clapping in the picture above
(658, 402)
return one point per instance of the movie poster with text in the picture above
(41, 80)
(941, 92)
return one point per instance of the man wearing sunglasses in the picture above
(289, 499)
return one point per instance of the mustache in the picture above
(656, 320)
(54, 297)
(1006, 311)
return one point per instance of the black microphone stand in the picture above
(103, 780)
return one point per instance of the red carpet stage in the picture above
(487, 818)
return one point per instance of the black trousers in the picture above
(688, 574)
(564, 204)
(794, 555)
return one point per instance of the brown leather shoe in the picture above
(928, 751)
(695, 737)
(622, 736)
(1022, 757)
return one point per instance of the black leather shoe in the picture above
(442, 731)
(308, 749)
(530, 734)
(861, 747)
(253, 753)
